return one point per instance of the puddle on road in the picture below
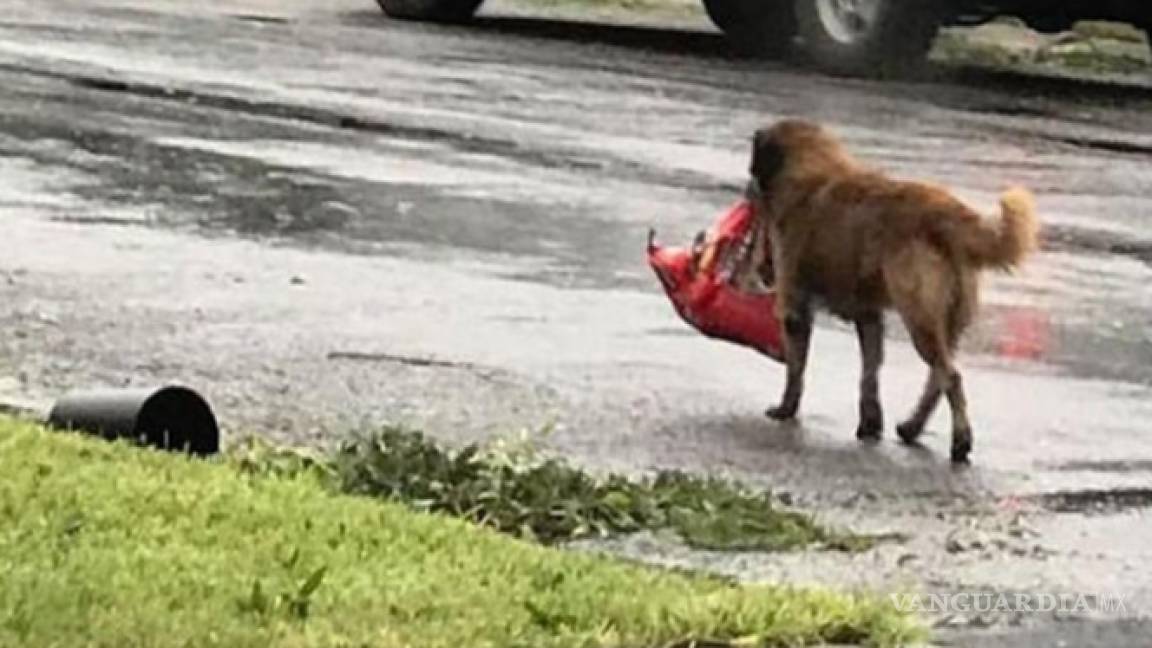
(1112, 466)
(349, 200)
(1105, 501)
(375, 166)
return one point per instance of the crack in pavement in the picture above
(1109, 500)
(414, 361)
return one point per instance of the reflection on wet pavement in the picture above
(1083, 306)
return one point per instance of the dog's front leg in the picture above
(870, 331)
(797, 337)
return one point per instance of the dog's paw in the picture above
(781, 413)
(909, 432)
(870, 429)
(960, 451)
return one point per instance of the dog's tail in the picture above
(1005, 243)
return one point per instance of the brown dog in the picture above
(852, 240)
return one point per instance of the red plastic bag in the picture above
(701, 282)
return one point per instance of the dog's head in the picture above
(791, 146)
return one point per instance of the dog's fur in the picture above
(850, 239)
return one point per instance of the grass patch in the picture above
(955, 46)
(510, 487)
(1090, 47)
(1096, 56)
(1107, 30)
(106, 545)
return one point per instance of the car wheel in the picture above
(434, 10)
(755, 27)
(867, 37)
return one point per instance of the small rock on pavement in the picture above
(297, 280)
(906, 559)
(963, 540)
(329, 215)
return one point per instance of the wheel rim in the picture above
(848, 21)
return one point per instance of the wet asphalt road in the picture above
(295, 206)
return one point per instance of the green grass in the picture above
(509, 486)
(1109, 30)
(107, 545)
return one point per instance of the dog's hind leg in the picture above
(910, 429)
(944, 379)
(961, 426)
(870, 331)
(929, 346)
(959, 318)
(935, 303)
(798, 337)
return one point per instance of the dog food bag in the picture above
(709, 287)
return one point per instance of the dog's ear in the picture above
(768, 157)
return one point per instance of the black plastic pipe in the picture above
(168, 418)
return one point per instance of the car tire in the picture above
(867, 37)
(431, 10)
(763, 28)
